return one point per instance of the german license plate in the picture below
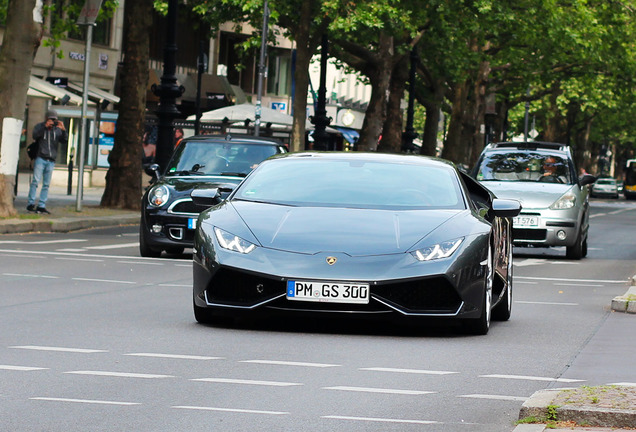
(192, 223)
(328, 292)
(525, 221)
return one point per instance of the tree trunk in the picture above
(392, 132)
(379, 74)
(432, 104)
(123, 179)
(453, 149)
(21, 40)
(478, 113)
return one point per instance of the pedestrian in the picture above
(48, 135)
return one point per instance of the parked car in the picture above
(604, 187)
(541, 176)
(168, 215)
(355, 234)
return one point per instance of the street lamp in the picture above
(320, 120)
(409, 133)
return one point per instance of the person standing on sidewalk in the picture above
(48, 135)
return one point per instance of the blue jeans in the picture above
(42, 171)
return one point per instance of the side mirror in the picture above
(587, 179)
(505, 207)
(153, 171)
(206, 197)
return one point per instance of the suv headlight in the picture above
(158, 195)
(437, 251)
(565, 202)
(232, 242)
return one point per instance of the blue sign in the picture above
(279, 106)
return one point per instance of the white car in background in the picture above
(605, 187)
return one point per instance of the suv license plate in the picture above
(328, 292)
(525, 221)
(192, 223)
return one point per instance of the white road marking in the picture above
(578, 285)
(495, 397)
(411, 371)
(235, 410)
(620, 211)
(103, 280)
(14, 255)
(572, 280)
(86, 401)
(139, 263)
(526, 282)
(174, 356)
(290, 363)
(41, 242)
(79, 259)
(597, 215)
(382, 420)
(21, 368)
(112, 246)
(547, 303)
(119, 374)
(531, 378)
(379, 390)
(70, 250)
(30, 275)
(176, 285)
(32, 254)
(248, 382)
(626, 384)
(183, 265)
(60, 349)
(529, 262)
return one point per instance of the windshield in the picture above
(218, 158)
(353, 184)
(524, 166)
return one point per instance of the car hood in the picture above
(187, 184)
(529, 194)
(355, 232)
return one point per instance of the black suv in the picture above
(168, 215)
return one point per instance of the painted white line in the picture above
(12, 255)
(103, 280)
(290, 363)
(531, 378)
(411, 371)
(41, 242)
(248, 382)
(620, 211)
(526, 282)
(174, 356)
(112, 246)
(30, 275)
(625, 384)
(379, 390)
(33, 254)
(176, 285)
(529, 262)
(60, 349)
(235, 410)
(70, 250)
(578, 285)
(546, 303)
(139, 263)
(79, 259)
(598, 215)
(572, 280)
(86, 401)
(382, 420)
(183, 265)
(495, 397)
(21, 368)
(119, 374)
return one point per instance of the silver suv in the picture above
(542, 177)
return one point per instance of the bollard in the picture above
(70, 176)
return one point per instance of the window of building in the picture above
(279, 72)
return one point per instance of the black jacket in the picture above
(48, 140)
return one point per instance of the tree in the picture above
(123, 180)
(21, 40)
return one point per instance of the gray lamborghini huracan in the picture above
(355, 233)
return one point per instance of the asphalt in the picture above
(610, 409)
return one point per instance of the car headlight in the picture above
(440, 250)
(232, 242)
(158, 196)
(565, 202)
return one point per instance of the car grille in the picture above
(521, 234)
(434, 295)
(237, 288)
(186, 206)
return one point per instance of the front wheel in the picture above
(503, 310)
(481, 325)
(578, 250)
(144, 249)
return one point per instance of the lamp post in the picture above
(409, 133)
(167, 91)
(320, 120)
(262, 70)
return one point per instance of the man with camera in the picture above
(47, 135)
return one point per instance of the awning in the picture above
(94, 92)
(351, 135)
(53, 91)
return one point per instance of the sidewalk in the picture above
(64, 217)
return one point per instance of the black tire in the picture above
(144, 249)
(481, 325)
(575, 251)
(503, 310)
(202, 315)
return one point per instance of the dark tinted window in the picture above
(523, 166)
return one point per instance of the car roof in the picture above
(235, 138)
(371, 157)
(538, 146)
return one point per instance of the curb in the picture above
(67, 224)
(627, 302)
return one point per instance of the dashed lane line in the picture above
(21, 368)
(409, 371)
(42, 242)
(546, 303)
(381, 420)
(59, 349)
(532, 378)
(174, 356)
(495, 397)
(103, 280)
(84, 401)
(290, 363)
(233, 410)
(119, 374)
(247, 382)
(379, 390)
(603, 281)
(31, 275)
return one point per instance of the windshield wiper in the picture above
(233, 174)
